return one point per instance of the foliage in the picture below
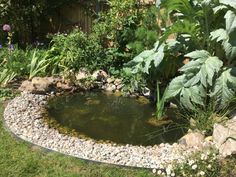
(204, 79)
(147, 33)
(203, 119)
(6, 94)
(72, 52)
(20, 63)
(196, 35)
(120, 31)
(200, 164)
(160, 104)
(28, 24)
(12, 63)
(38, 63)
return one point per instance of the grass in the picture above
(19, 159)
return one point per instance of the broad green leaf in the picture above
(219, 8)
(219, 35)
(189, 96)
(231, 3)
(204, 68)
(158, 57)
(175, 87)
(230, 19)
(228, 42)
(224, 89)
(198, 54)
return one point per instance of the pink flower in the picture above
(6, 28)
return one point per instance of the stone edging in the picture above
(23, 117)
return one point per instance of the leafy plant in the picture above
(72, 52)
(38, 64)
(160, 104)
(6, 76)
(196, 35)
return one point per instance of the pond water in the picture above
(112, 117)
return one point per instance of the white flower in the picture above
(202, 173)
(172, 174)
(191, 162)
(209, 166)
(169, 166)
(203, 157)
(194, 167)
(159, 172)
(154, 170)
(168, 171)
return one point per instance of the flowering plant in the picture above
(7, 28)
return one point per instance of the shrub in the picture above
(73, 51)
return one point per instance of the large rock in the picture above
(110, 87)
(37, 85)
(118, 82)
(64, 86)
(192, 139)
(100, 75)
(224, 137)
(82, 74)
(42, 84)
(110, 80)
(27, 86)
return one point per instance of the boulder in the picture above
(82, 74)
(192, 139)
(41, 84)
(53, 80)
(27, 86)
(118, 82)
(100, 75)
(64, 86)
(110, 87)
(228, 148)
(110, 80)
(224, 137)
(119, 87)
(37, 85)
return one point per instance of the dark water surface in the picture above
(111, 117)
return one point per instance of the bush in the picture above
(73, 51)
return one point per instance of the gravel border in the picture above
(23, 117)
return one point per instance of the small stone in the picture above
(110, 80)
(118, 82)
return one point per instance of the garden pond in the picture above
(112, 117)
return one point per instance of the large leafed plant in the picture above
(202, 35)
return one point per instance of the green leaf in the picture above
(204, 68)
(230, 19)
(228, 42)
(224, 89)
(189, 96)
(219, 35)
(175, 87)
(231, 3)
(198, 54)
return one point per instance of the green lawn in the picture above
(18, 158)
